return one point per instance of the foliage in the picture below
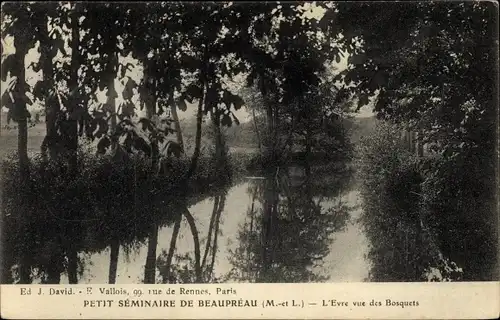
(188, 53)
(436, 76)
(53, 210)
(403, 236)
(435, 72)
(462, 209)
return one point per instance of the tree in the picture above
(427, 64)
(21, 26)
(436, 75)
(41, 89)
(15, 98)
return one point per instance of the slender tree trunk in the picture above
(199, 114)
(24, 262)
(72, 265)
(210, 230)
(54, 270)
(113, 260)
(257, 132)
(194, 232)
(418, 248)
(22, 141)
(177, 124)
(196, 154)
(251, 234)
(72, 255)
(420, 145)
(150, 112)
(151, 103)
(73, 87)
(270, 126)
(51, 108)
(150, 267)
(72, 130)
(216, 235)
(111, 94)
(56, 263)
(266, 230)
(171, 250)
(22, 112)
(276, 128)
(219, 144)
(111, 101)
(22, 147)
(413, 142)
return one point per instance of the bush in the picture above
(427, 218)
(461, 207)
(401, 244)
(103, 200)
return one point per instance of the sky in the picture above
(309, 11)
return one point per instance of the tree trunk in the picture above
(72, 130)
(22, 139)
(24, 265)
(266, 230)
(72, 137)
(22, 147)
(270, 127)
(56, 262)
(199, 114)
(210, 230)
(418, 249)
(113, 260)
(150, 112)
(54, 269)
(420, 145)
(171, 250)
(257, 132)
(177, 124)
(20, 105)
(219, 144)
(150, 267)
(216, 235)
(51, 109)
(196, 153)
(194, 232)
(151, 103)
(249, 262)
(72, 265)
(111, 94)
(24, 261)
(111, 101)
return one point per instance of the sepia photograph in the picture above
(249, 142)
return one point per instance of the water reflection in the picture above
(197, 267)
(288, 229)
(279, 227)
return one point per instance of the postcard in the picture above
(249, 160)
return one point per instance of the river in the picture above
(324, 244)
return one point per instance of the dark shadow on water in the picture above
(289, 226)
(286, 232)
